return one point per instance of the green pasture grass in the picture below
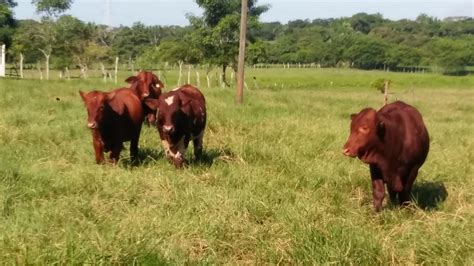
(273, 188)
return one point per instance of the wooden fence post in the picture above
(22, 58)
(189, 74)
(68, 77)
(104, 73)
(198, 81)
(385, 93)
(180, 73)
(116, 68)
(40, 71)
(2, 61)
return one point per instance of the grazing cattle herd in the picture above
(393, 140)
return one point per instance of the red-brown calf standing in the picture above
(394, 142)
(181, 117)
(113, 117)
(146, 85)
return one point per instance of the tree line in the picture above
(365, 41)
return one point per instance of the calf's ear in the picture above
(380, 129)
(131, 79)
(115, 103)
(353, 116)
(157, 81)
(83, 95)
(186, 106)
(153, 104)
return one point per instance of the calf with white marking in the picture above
(181, 117)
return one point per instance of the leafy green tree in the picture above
(451, 28)
(366, 53)
(363, 22)
(451, 54)
(8, 3)
(77, 45)
(7, 22)
(45, 34)
(267, 31)
(257, 52)
(72, 37)
(429, 25)
(52, 8)
(22, 42)
(299, 23)
(130, 42)
(216, 33)
(167, 51)
(44, 38)
(284, 49)
(401, 55)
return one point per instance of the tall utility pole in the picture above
(239, 97)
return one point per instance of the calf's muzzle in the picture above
(168, 129)
(92, 125)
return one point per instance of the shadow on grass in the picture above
(146, 156)
(149, 156)
(428, 195)
(208, 157)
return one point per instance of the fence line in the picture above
(110, 72)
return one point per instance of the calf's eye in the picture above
(364, 129)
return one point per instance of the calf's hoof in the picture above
(377, 207)
(178, 162)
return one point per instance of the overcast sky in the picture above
(169, 12)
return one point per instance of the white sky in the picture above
(169, 12)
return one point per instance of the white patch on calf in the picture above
(166, 146)
(181, 150)
(169, 100)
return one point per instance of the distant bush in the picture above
(379, 84)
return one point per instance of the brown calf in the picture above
(394, 142)
(181, 117)
(113, 117)
(146, 85)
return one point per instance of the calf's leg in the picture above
(115, 153)
(394, 188)
(197, 143)
(175, 153)
(134, 146)
(378, 193)
(98, 148)
(393, 195)
(405, 194)
(378, 187)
